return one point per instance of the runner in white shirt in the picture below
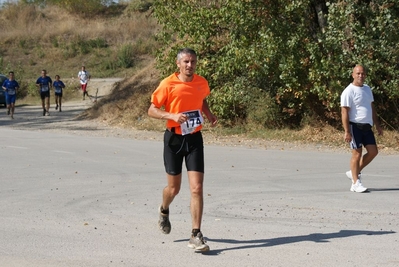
(84, 78)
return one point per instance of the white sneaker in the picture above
(349, 175)
(358, 187)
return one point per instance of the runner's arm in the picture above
(205, 109)
(157, 113)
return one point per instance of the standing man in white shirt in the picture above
(358, 118)
(84, 78)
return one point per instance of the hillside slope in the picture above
(34, 38)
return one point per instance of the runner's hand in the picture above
(180, 118)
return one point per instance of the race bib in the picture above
(45, 88)
(194, 120)
(11, 91)
(58, 89)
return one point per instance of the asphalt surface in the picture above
(84, 200)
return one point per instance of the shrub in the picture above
(125, 56)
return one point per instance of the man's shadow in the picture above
(260, 243)
(382, 189)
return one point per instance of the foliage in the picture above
(86, 7)
(139, 5)
(126, 56)
(301, 53)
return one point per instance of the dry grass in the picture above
(127, 105)
(33, 38)
(41, 24)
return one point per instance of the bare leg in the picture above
(196, 180)
(359, 162)
(47, 104)
(12, 110)
(171, 190)
(355, 163)
(372, 152)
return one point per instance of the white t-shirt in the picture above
(359, 100)
(83, 76)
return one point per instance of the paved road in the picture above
(73, 200)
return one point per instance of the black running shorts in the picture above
(177, 147)
(43, 95)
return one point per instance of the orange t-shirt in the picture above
(177, 96)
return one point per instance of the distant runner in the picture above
(10, 86)
(84, 78)
(58, 87)
(44, 83)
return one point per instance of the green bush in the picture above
(300, 52)
(125, 56)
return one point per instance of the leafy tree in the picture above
(299, 53)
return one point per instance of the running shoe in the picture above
(198, 243)
(349, 175)
(56, 107)
(8, 112)
(358, 187)
(164, 223)
(60, 109)
(44, 112)
(47, 113)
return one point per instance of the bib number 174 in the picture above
(194, 120)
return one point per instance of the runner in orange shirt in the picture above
(183, 97)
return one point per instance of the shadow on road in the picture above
(260, 243)
(382, 189)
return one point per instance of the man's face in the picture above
(358, 75)
(44, 74)
(187, 64)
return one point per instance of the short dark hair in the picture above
(185, 50)
(11, 72)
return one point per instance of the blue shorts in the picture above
(10, 99)
(361, 137)
(177, 147)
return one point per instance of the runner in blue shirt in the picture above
(58, 86)
(44, 83)
(10, 87)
